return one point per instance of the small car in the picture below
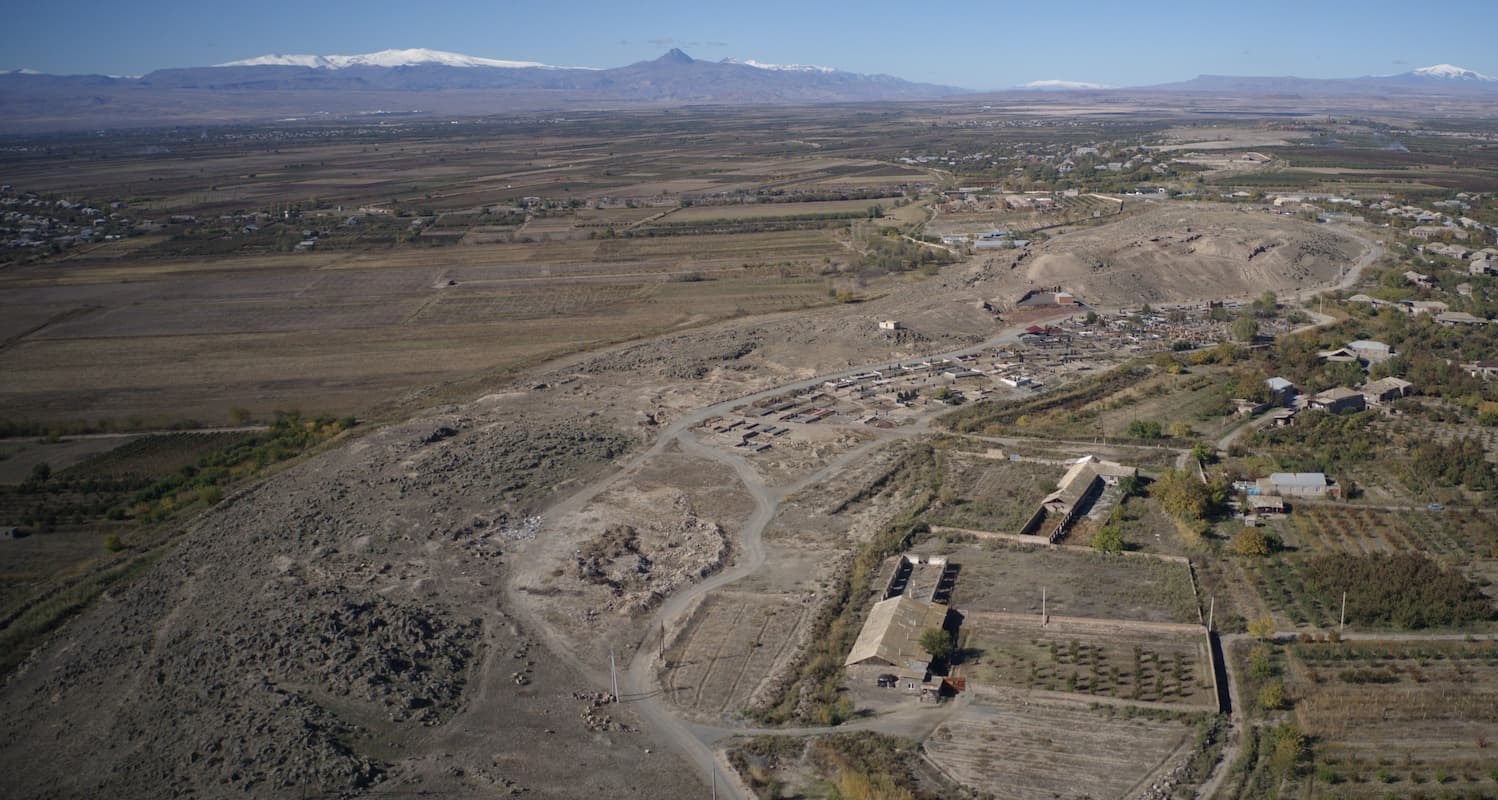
(887, 680)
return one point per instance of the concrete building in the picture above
(1076, 490)
(891, 638)
(1459, 318)
(1338, 400)
(1281, 390)
(1385, 390)
(1370, 351)
(1486, 369)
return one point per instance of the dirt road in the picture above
(638, 689)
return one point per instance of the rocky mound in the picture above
(329, 607)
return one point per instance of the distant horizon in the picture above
(980, 46)
(1053, 83)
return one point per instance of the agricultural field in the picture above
(1462, 540)
(1120, 661)
(19, 456)
(1039, 750)
(1198, 400)
(832, 209)
(86, 516)
(729, 644)
(1003, 577)
(991, 494)
(1444, 432)
(838, 765)
(441, 254)
(1400, 718)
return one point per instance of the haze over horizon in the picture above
(968, 44)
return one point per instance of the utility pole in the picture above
(614, 675)
(1211, 607)
(715, 782)
(1342, 623)
(1044, 617)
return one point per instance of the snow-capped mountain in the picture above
(387, 58)
(1450, 72)
(780, 67)
(1060, 84)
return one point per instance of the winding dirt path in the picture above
(638, 687)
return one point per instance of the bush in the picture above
(1272, 697)
(1144, 429)
(1262, 628)
(1108, 539)
(1253, 542)
(113, 543)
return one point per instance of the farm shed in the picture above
(891, 636)
(1266, 504)
(1298, 484)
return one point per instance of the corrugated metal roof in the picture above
(1298, 478)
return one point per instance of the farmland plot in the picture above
(1388, 715)
(728, 647)
(1043, 751)
(1122, 661)
(992, 494)
(997, 576)
(1461, 539)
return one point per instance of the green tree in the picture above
(1289, 748)
(1245, 328)
(1252, 542)
(1184, 496)
(41, 472)
(1108, 539)
(1262, 628)
(1272, 697)
(938, 643)
(1144, 429)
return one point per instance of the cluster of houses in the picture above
(1479, 262)
(1286, 401)
(31, 221)
(1438, 310)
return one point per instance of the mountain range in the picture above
(277, 86)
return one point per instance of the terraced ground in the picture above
(730, 646)
(1035, 751)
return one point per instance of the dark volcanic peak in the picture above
(675, 56)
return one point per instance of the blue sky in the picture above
(979, 45)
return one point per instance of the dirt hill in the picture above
(1184, 254)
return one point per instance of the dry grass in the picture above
(1039, 752)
